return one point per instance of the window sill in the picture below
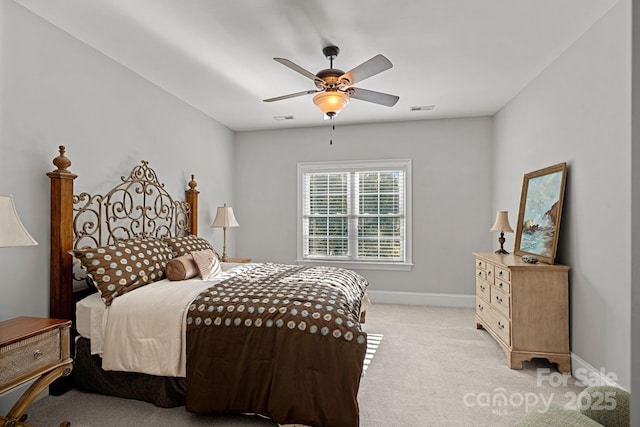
(360, 265)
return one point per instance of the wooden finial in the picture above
(62, 162)
(192, 184)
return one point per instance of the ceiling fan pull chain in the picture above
(333, 126)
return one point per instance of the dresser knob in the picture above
(37, 354)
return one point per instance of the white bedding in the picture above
(143, 331)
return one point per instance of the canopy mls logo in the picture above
(500, 400)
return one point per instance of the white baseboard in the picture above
(419, 298)
(589, 375)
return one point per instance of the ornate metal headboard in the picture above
(137, 207)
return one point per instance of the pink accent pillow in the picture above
(207, 263)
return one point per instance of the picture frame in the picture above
(540, 211)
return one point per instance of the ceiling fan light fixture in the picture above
(331, 102)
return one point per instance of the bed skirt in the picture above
(88, 375)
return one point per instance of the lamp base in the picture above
(501, 240)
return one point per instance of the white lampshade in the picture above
(12, 232)
(331, 102)
(502, 222)
(224, 218)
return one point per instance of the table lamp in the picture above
(502, 225)
(12, 232)
(224, 219)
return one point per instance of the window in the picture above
(355, 212)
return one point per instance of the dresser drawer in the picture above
(481, 264)
(490, 272)
(503, 286)
(481, 274)
(502, 274)
(483, 310)
(482, 289)
(502, 327)
(500, 301)
(23, 357)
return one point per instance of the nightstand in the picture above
(239, 260)
(32, 347)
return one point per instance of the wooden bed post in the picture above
(192, 199)
(61, 262)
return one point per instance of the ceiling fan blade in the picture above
(375, 65)
(296, 67)
(375, 97)
(291, 95)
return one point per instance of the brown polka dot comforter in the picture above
(280, 341)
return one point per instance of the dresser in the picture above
(30, 348)
(525, 307)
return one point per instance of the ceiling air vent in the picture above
(422, 108)
(283, 117)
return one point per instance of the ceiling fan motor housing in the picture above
(330, 79)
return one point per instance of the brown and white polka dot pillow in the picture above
(124, 266)
(187, 244)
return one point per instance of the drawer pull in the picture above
(489, 273)
(500, 325)
(480, 307)
(500, 274)
(37, 354)
(480, 273)
(500, 285)
(499, 299)
(482, 288)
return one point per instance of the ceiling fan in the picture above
(333, 86)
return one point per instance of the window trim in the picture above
(352, 166)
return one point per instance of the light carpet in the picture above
(434, 368)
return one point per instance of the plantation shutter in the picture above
(380, 214)
(356, 215)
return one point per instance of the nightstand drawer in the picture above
(31, 354)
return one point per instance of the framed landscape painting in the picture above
(540, 211)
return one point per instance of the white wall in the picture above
(55, 91)
(635, 218)
(578, 111)
(452, 213)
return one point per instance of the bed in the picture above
(281, 341)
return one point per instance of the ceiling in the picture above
(465, 57)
